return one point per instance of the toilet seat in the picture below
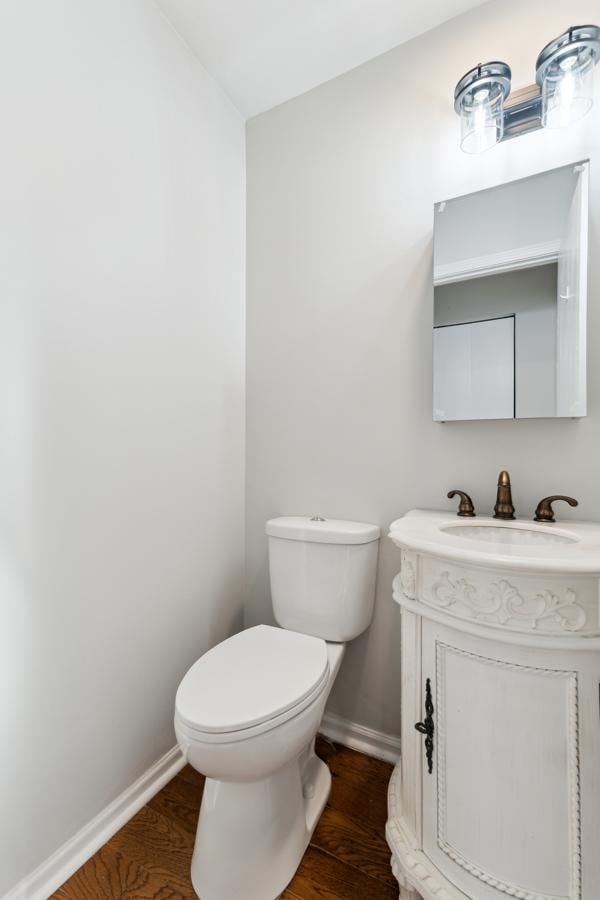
(250, 683)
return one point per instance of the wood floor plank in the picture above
(323, 877)
(119, 878)
(325, 747)
(354, 843)
(159, 844)
(100, 876)
(353, 765)
(359, 786)
(190, 775)
(153, 887)
(180, 799)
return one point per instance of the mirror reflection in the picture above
(510, 276)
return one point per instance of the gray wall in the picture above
(341, 187)
(529, 294)
(121, 402)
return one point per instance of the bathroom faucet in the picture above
(504, 508)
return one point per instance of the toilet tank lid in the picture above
(320, 530)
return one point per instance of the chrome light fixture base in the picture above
(562, 93)
(523, 112)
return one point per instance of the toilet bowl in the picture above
(265, 787)
(248, 711)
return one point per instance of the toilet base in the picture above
(252, 835)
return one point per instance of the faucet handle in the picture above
(465, 507)
(544, 511)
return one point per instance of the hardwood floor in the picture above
(348, 858)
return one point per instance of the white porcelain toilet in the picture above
(248, 711)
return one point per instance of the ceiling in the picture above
(264, 52)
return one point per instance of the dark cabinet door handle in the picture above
(427, 726)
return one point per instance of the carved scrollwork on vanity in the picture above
(527, 603)
(408, 574)
(501, 603)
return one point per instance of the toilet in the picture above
(248, 711)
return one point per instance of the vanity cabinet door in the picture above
(502, 806)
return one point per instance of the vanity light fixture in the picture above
(562, 94)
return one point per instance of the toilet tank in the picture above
(322, 575)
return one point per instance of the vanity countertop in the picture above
(519, 544)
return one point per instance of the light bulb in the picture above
(482, 120)
(567, 91)
(565, 74)
(564, 98)
(568, 62)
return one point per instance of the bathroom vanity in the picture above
(498, 791)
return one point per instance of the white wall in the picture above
(341, 187)
(121, 401)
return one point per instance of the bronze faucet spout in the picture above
(504, 508)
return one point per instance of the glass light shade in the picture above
(568, 90)
(481, 118)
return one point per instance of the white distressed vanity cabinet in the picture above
(498, 794)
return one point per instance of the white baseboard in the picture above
(52, 873)
(359, 737)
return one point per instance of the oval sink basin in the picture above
(518, 544)
(508, 534)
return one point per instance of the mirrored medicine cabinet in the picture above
(510, 286)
